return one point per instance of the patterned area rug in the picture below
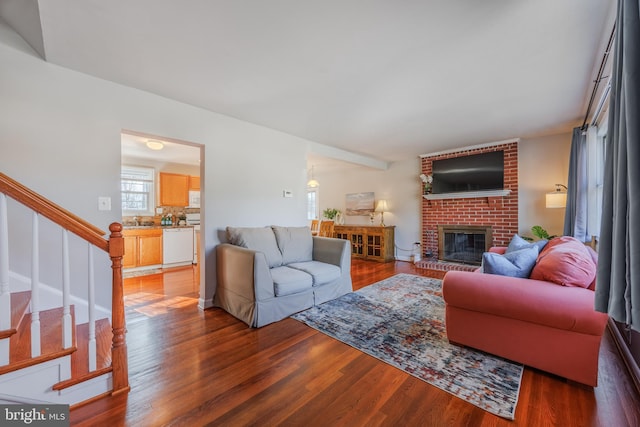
(400, 321)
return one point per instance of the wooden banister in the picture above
(119, 346)
(55, 213)
(114, 246)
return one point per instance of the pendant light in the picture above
(312, 183)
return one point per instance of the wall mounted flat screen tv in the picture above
(476, 172)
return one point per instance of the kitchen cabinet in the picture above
(174, 189)
(194, 183)
(142, 247)
(129, 259)
(375, 243)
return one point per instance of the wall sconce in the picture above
(557, 198)
(312, 183)
(382, 208)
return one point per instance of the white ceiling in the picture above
(388, 79)
(135, 146)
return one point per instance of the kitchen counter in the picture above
(150, 227)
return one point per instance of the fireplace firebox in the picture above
(463, 243)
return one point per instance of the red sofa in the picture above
(538, 323)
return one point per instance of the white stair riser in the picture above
(35, 383)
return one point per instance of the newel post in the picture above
(119, 345)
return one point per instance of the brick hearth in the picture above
(499, 212)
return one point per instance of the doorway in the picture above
(162, 193)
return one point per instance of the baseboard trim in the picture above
(203, 304)
(625, 353)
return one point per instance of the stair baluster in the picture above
(66, 292)
(35, 292)
(5, 295)
(92, 314)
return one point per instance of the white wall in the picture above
(542, 163)
(60, 135)
(399, 186)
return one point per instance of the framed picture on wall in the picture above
(360, 204)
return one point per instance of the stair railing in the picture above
(5, 295)
(70, 223)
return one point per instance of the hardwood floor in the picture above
(192, 368)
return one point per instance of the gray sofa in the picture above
(268, 273)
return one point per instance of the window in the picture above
(596, 144)
(312, 203)
(137, 188)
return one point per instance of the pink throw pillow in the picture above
(565, 261)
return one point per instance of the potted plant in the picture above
(330, 213)
(427, 180)
(540, 233)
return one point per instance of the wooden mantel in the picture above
(468, 194)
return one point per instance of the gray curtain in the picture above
(618, 279)
(575, 215)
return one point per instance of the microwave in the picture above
(194, 199)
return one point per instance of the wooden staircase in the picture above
(50, 332)
(44, 355)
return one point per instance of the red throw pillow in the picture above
(565, 261)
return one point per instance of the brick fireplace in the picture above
(464, 243)
(497, 212)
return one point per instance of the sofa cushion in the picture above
(518, 243)
(565, 261)
(514, 264)
(295, 243)
(259, 239)
(321, 272)
(287, 281)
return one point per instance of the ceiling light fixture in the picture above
(312, 183)
(155, 145)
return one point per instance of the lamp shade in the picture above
(556, 199)
(382, 206)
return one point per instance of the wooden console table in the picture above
(375, 243)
